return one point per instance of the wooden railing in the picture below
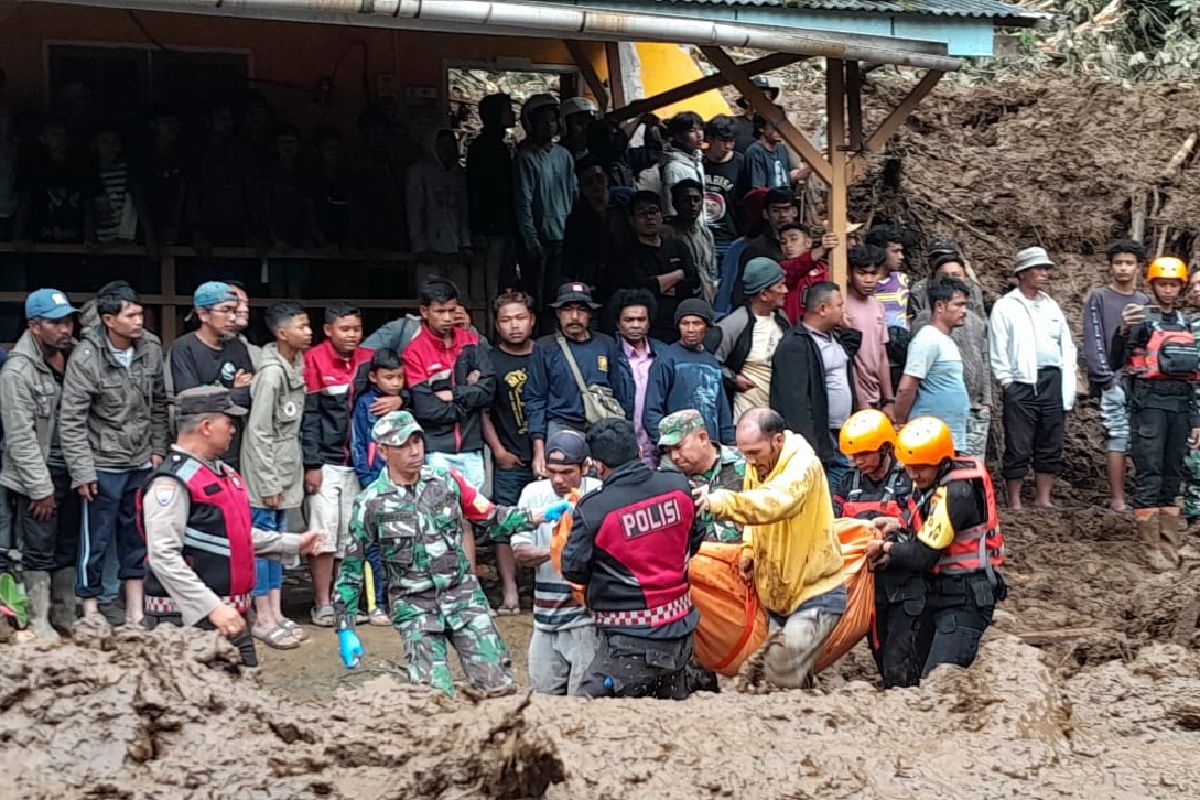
(170, 301)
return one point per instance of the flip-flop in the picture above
(506, 610)
(279, 638)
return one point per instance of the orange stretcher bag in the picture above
(558, 540)
(733, 625)
(854, 535)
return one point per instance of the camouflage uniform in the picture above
(1191, 462)
(728, 472)
(434, 595)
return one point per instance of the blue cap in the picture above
(48, 304)
(210, 293)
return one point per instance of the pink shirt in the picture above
(640, 362)
(867, 316)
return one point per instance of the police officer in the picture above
(878, 487)
(629, 544)
(414, 513)
(956, 539)
(195, 512)
(1157, 350)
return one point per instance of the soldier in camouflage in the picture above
(1191, 462)
(414, 513)
(685, 440)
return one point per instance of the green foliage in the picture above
(1130, 41)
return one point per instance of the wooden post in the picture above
(167, 277)
(854, 106)
(835, 109)
(763, 106)
(616, 80)
(590, 76)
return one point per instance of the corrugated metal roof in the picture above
(983, 9)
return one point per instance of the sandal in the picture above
(297, 632)
(379, 617)
(278, 637)
(505, 610)
(323, 617)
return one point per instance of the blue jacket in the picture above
(367, 465)
(551, 393)
(681, 379)
(723, 302)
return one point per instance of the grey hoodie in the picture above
(677, 166)
(112, 418)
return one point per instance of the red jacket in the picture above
(329, 404)
(429, 367)
(801, 273)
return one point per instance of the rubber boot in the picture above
(1145, 522)
(62, 594)
(1170, 536)
(37, 589)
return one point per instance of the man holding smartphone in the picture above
(1159, 354)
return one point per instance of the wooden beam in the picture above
(763, 106)
(900, 113)
(616, 78)
(854, 107)
(590, 75)
(701, 85)
(835, 109)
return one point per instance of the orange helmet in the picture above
(924, 442)
(1167, 268)
(866, 431)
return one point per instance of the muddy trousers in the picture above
(959, 609)
(244, 642)
(901, 635)
(1191, 485)
(1159, 429)
(633, 666)
(481, 651)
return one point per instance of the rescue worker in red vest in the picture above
(1158, 352)
(878, 486)
(195, 516)
(630, 543)
(956, 539)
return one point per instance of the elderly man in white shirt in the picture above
(1033, 359)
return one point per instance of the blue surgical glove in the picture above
(554, 511)
(350, 648)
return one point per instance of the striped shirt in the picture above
(553, 607)
(114, 188)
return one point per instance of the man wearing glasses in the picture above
(213, 354)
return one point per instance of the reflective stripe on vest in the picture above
(217, 542)
(887, 505)
(980, 547)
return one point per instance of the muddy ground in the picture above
(1086, 686)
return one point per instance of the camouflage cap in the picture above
(674, 427)
(395, 428)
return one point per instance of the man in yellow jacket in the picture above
(789, 550)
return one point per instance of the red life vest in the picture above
(980, 547)
(1169, 354)
(217, 543)
(886, 504)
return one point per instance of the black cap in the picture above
(566, 447)
(570, 293)
(206, 400)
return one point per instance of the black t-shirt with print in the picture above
(508, 410)
(193, 363)
(722, 196)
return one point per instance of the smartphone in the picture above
(1153, 313)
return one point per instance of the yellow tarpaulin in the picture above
(665, 66)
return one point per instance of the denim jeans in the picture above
(268, 572)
